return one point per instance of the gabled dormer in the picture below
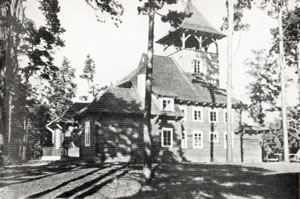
(196, 46)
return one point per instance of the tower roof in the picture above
(196, 24)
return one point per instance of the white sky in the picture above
(117, 51)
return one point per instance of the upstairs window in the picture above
(197, 66)
(213, 116)
(167, 104)
(197, 114)
(167, 137)
(225, 117)
(184, 113)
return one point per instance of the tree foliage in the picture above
(291, 32)
(88, 74)
(21, 38)
(265, 87)
(63, 88)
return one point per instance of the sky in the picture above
(117, 50)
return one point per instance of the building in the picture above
(188, 108)
(53, 150)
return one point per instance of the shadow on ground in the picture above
(218, 181)
(23, 174)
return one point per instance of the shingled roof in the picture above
(198, 22)
(118, 100)
(170, 81)
(195, 24)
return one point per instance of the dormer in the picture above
(167, 104)
(196, 46)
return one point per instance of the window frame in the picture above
(197, 63)
(201, 114)
(201, 141)
(217, 136)
(217, 115)
(87, 133)
(169, 107)
(184, 111)
(184, 141)
(224, 116)
(162, 138)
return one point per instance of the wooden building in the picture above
(188, 108)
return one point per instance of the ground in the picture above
(73, 180)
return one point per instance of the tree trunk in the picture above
(229, 154)
(147, 112)
(283, 87)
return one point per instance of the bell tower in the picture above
(196, 46)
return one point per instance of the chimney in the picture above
(141, 86)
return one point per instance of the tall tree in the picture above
(265, 87)
(88, 74)
(20, 37)
(63, 88)
(150, 7)
(275, 8)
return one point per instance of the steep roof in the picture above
(195, 24)
(117, 100)
(170, 81)
(198, 22)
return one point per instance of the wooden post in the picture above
(283, 87)
(183, 38)
(229, 153)
(199, 39)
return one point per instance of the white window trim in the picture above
(224, 118)
(194, 65)
(225, 142)
(184, 142)
(197, 109)
(185, 113)
(171, 106)
(194, 146)
(87, 133)
(162, 137)
(214, 141)
(217, 115)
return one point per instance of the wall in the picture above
(217, 150)
(119, 138)
(209, 61)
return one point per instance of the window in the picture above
(214, 137)
(197, 114)
(197, 140)
(167, 104)
(167, 137)
(213, 116)
(87, 135)
(225, 140)
(184, 139)
(184, 113)
(197, 66)
(226, 116)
